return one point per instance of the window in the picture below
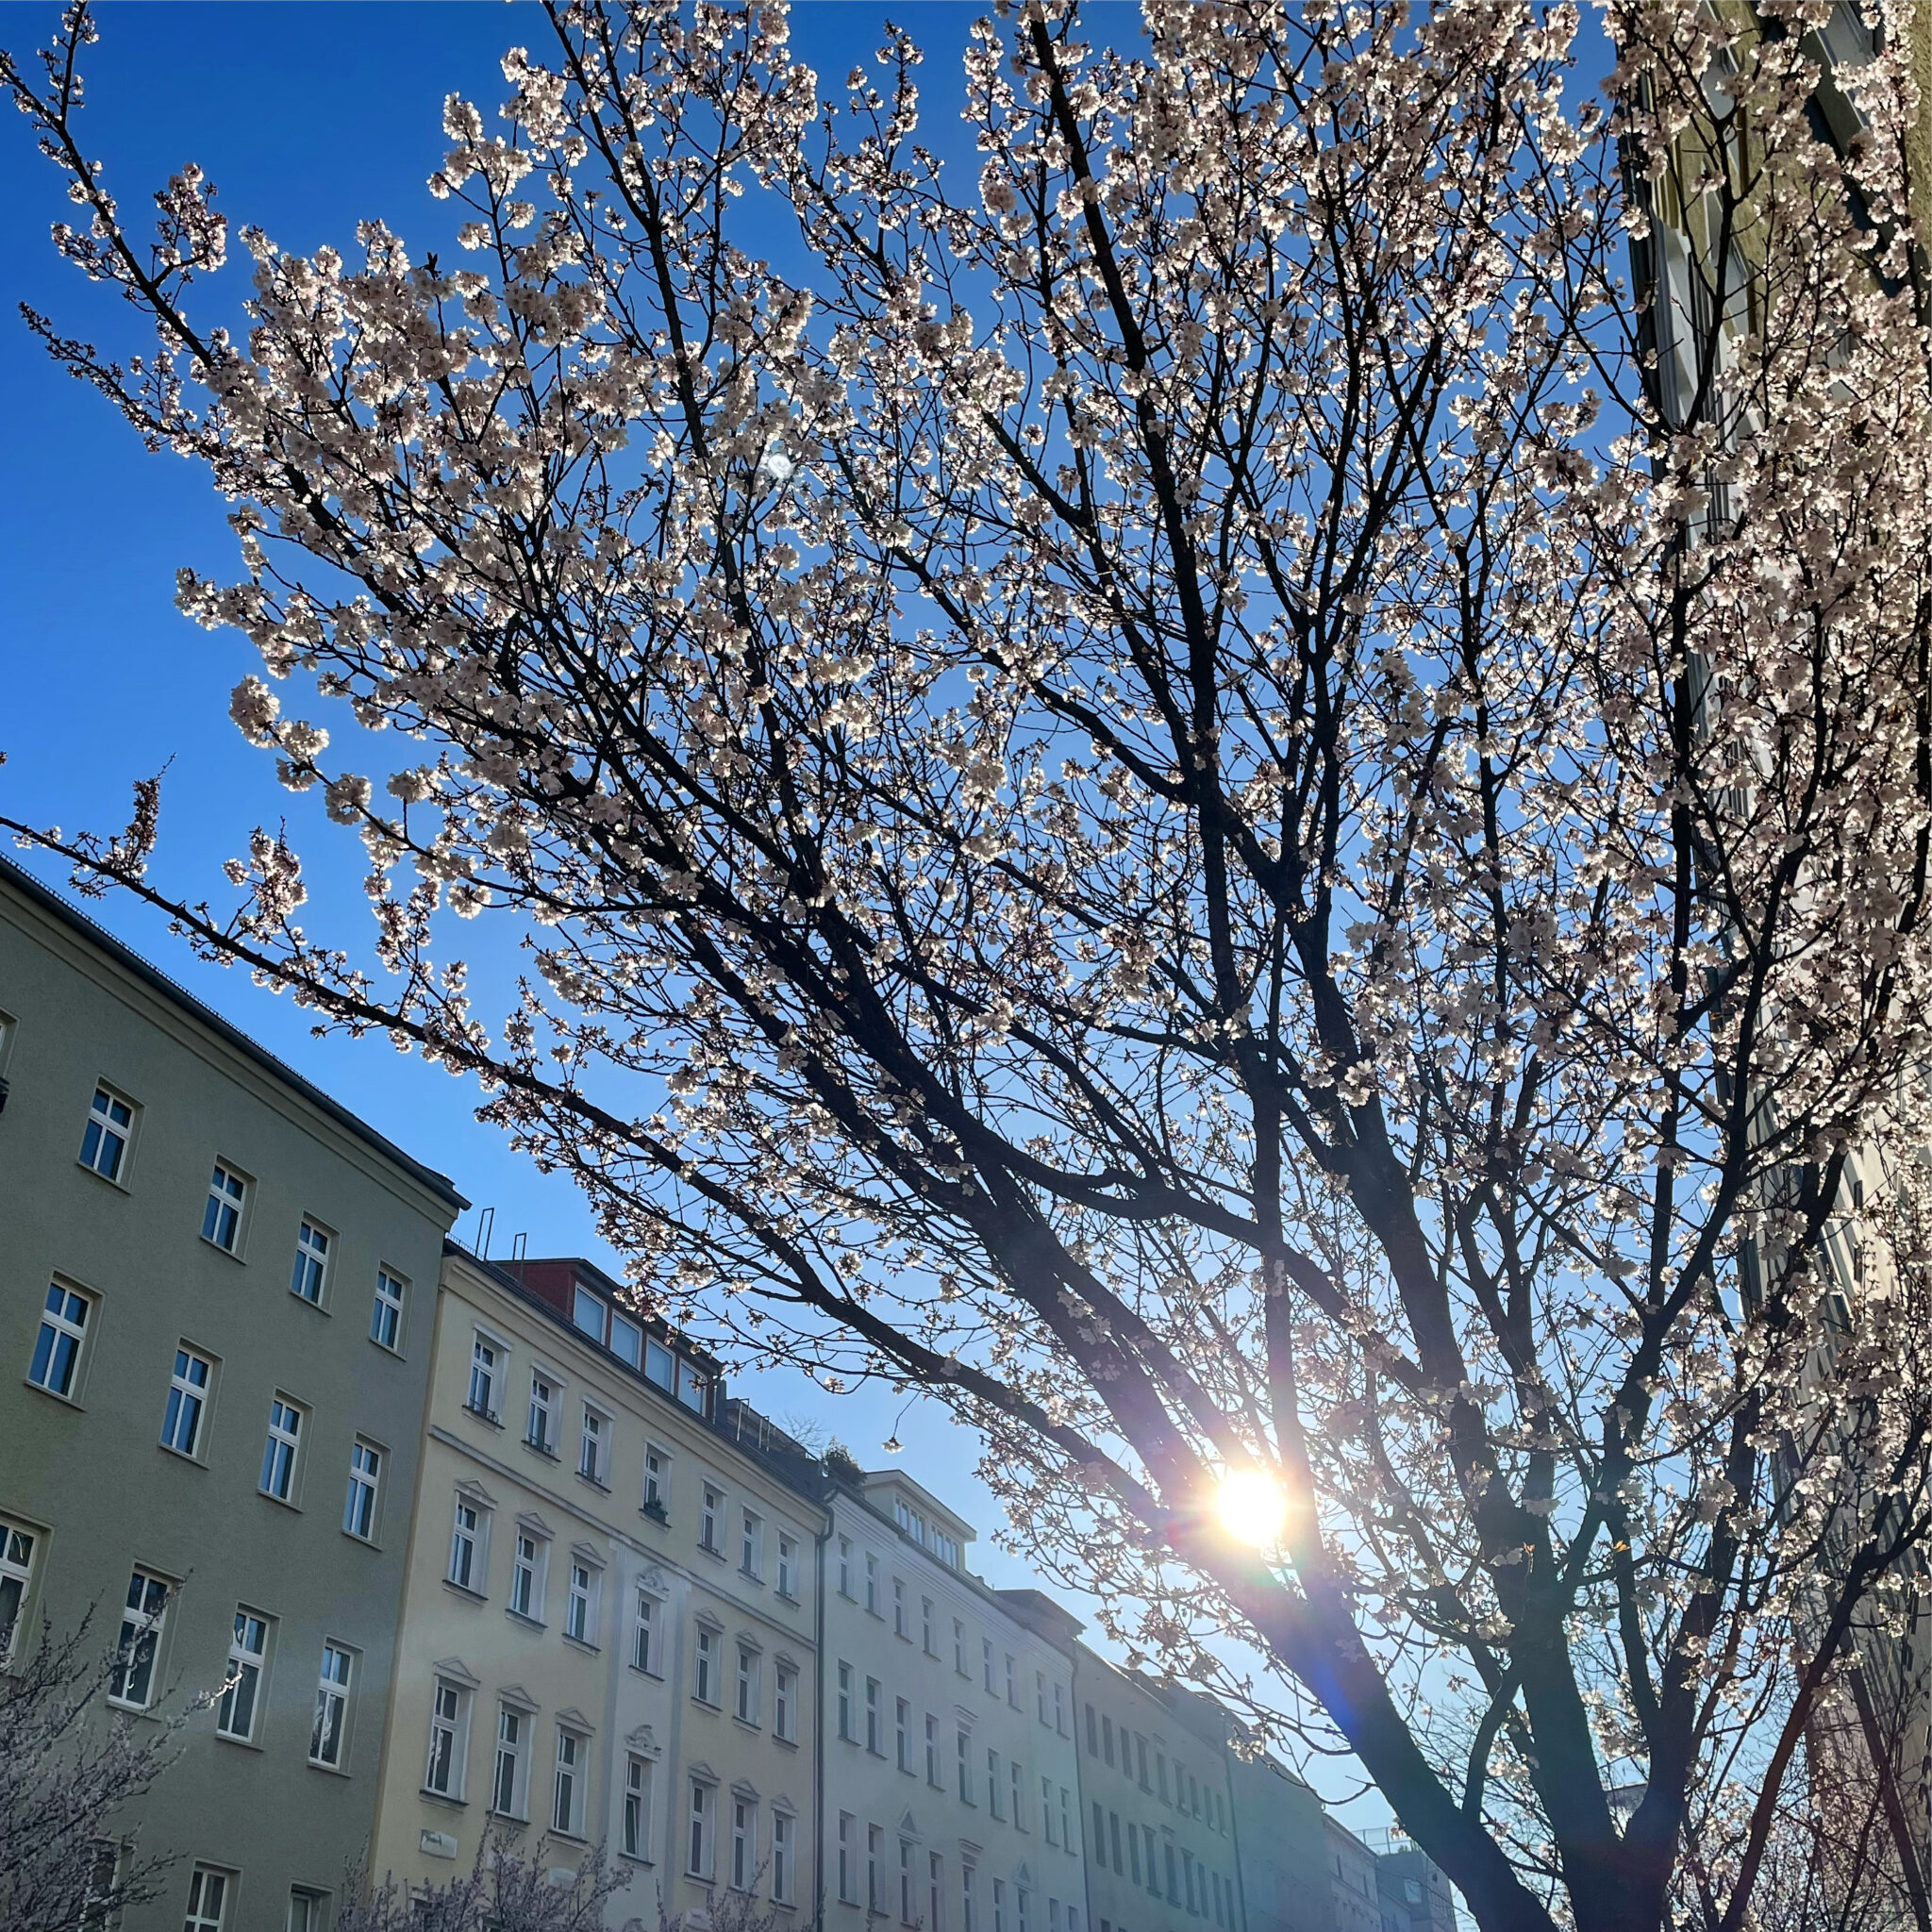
(465, 1571)
(960, 1654)
(661, 1365)
(785, 1705)
(63, 1330)
(874, 1855)
(691, 1387)
(586, 1311)
(365, 1475)
(16, 1574)
(142, 1623)
(278, 1452)
(386, 1319)
(788, 1565)
(704, 1666)
(698, 1849)
(1019, 1794)
(1012, 1691)
(642, 1632)
(925, 1627)
(485, 1359)
(902, 1731)
(221, 1218)
(591, 1446)
(1099, 1835)
(577, 1619)
(962, 1739)
(328, 1734)
(986, 1662)
(1039, 1695)
(899, 1628)
(1067, 1820)
(846, 1729)
(637, 1807)
(207, 1899)
(1112, 1839)
(751, 1545)
(784, 1829)
(935, 1893)
(542, 1432)
(707, 1520)
(969, 1888)
(1059, 1708)
(526, 1577)
(993, 1783)
(246, 1649)
(312, 1262)
(845, 1567)
(656, 1482)
(627, 1339)
(187, 1401)
(848, 1859)
(1140, 1759)
(448, 1711)
(748, 1685)
(1024, 1900)
(906, 1894)
(567, 1799)
(1046, 1809)
(744, 1843)
(308, 1910)
(872, 1583)
(999, 1904)
(1134, 1851)
(871, 1717)
(110, 1124)
(932, 1751)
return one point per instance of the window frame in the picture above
(102, 1127)
(594, 1445)
(456, 1726)
(532, 1569)
(367, 1482)
(492, 1375)
(335, 1693)
(232, 1202)
(248, 1676)
(700, 1844)
(747, 1688)
(286, 1421)
(474, 1535)
(568, 1796)
(745, 1842)
(182, 1393)
(197, 1917)
(580, 1603)
(396, 1306)
(645, 1603)
(515, 1752)
(542, 1409)
(315, 1247)
(634, 1817)
(64, 1326)
(17, 1568)
(147, 1617)
(785, 1703)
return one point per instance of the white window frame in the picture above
(848, 1859)
(335, 1684)
(785, 1703)
(745, 1842)
(512, 1751)
(593, 1446)
(19, 1543)
(208, 1887)
(392, 1301)
(846, 1726)
(540, 1432)
(872, 1583)
(107, 1138)
(281, 1453)
(487, 1376)
(187, 1401)
(308, 1278)
(467, 1537)
(449, 1717)
(704, 1665)
(580, 1603)
(529, 1574)
(143, 1628)
(701, 1829)
(746, 1694)
(788, 1565)
(240, 1708)
(901, 1733)
(751, 1544)
(644, 1632)
(363, 1506)
(636, 1823)
(657, 1481)
(784, 1856)
(307, 1908)
(712, 1506)
(224, 1215)
(567, 1787)
(67, 1349)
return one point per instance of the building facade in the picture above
(950, 1792)
(217, 1291)
(1162, 1855)
(607, 1627)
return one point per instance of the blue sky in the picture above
(308, 118)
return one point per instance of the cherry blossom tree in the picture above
(1248, 793)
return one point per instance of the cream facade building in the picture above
(608, 1624)
(950, 1792)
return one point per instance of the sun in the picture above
(1253, 1507)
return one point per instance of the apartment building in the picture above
(1161, 1846)
(950, 1790)
(1284, 1861)
(216, 1298)
(607, 1626)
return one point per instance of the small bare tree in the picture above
(505, 1889)
(69, 1772)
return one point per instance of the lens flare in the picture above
(1253, 1507)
